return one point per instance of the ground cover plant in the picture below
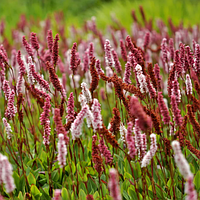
(100, 115)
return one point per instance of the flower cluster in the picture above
(113, 185)
(153, 148)
(6, 174)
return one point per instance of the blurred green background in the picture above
(76, 11)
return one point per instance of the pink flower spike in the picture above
(70, 108)
(3, 54)
(141, 79)
(7, 178)
(153, 148)
(117, 64)
(96, 111)
(98, 66)
(34, 41)
(180, 160)
(86, 60)
(189, 56)
(182, 55)
(73, 60)
(38, 78)
(197, 58)
(19, 84)
(6, 89)
(108, 56)
(157, 75)
(11, 109)
(189, 189)
(164, 50)
(146, 40)
(123, 50)
(2, 73)
(86, 92)
(152, 91)
(163, 108)
(188, 83)
(55, 50)
(104, 151)
(7, 127)
(50, 40)
(144, 121)
(130, 140)
(57, 194)
(143, 145)
(77, 124)
(91, 51)
(176, 90)
(59, 126)
(62, 151)
(47, 133)
(132, 60)
(27, 46)
(129, 44)
(177, 63)
(177, 113)
(127, 73)
(113, 185)
(46, 110)
(22, 68)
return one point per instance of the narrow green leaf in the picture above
(31, 179)
(197, 181)
(65, 194)
(20, 196)
(82, 195)
(35, 192)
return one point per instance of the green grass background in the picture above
(76, 11)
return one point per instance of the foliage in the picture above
(36, 165)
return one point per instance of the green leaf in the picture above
(104, 188)
(169, 182)
(125, 195)
(96, 195)
(43, 156)
(127, 175)
(28, 169)
(45, 194)
(65, 194)
(55, 176)
(91, 185)
(17, 179)
(73, 167)
(158, 192)
(85, 178)
(179, 194)
(35, 192)
(22, 184)
(197, 181)
(36, 173)
(31, 179)
(82, 195)
(79, 169)
(132, 193)
(82, 187)
(137, 171)
(20, 196)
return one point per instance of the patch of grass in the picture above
(177, 10)
(76, 12)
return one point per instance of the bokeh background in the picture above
(75, 12)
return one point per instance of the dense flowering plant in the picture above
(100, 115)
